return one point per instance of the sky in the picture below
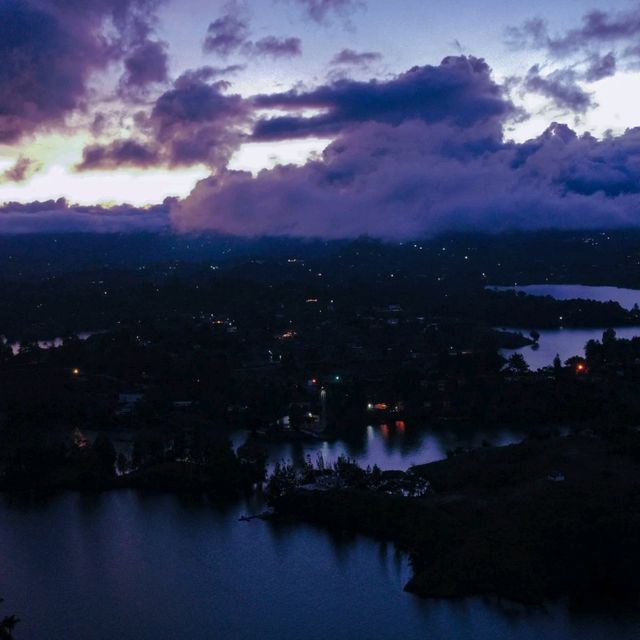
(328, 118)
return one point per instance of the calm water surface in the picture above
(570, 342)
(564, 342)
(392, 446)
(134, 567)
(626, 298)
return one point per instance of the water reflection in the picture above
(154, 567)
(570, 342)
(626, 298)
(392, 446)
(564, 342)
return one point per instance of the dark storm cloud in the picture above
(50, 48)
(560, 87)
(58, 216)
(460, 89)
(274, 47)
(349, 57)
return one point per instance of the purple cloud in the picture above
(321, 10)
(277, 47)
(22, 170)
(418, 178)
(193, 122)
(401, 168)
(198, 122)
(226, 35)
(460, 89)
(58, 216)
(349, 57)
(146, 64)
(49, 50)
(119, 153)
(207, 73)
(561, 88)
(598, 29)
(601, 67)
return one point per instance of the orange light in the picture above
(384, 430)
(381, 406)
(580, 367)
(76, 372)
(400, 425)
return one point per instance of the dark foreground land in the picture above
(547, 518)
(192, 338)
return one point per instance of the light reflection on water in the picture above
(570, 342)
(390, 446)
(564, 342)
(136, 566)
(626, 298)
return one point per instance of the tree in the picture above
(7, 625)
(6, 352)
(517, 364)
(557, 363)
(105, 453)
(608, 336)
(535, 336)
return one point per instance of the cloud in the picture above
(146, 64)
(22, 170)
(199, 122)
(417, 179)
(274, 47)
(616, 32)
(601, 67)
(226, 35)
(119, 153)
(407, 170)
(460, 89)
(349, 57)
(58, 216)
(321, 11)
(597, 28)
(49, 50)
(561, 88)
(231, 34)
(208, 73)
(193, 122)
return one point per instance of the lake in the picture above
(154, 567)
(135, 566)
(393, 446)
(626, 298)
(570, 342)
(564, 342)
